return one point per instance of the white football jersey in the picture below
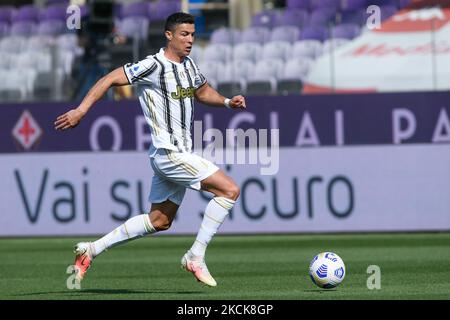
(166, 94)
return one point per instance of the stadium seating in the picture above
(225, 35)
(298, 4)
(294, 36)
(263, 78)
(53, 12)
(40, 43)
(285, 34)
(35, 43)
(22, 28)
(296, 69)
(43, 86)
(278, 50)
(4, 29)
(12, 44)
(358, 17)
(32, 60)
(26, 13)
(296, 17)
(51, 27)
(256, 35)
(346, 31)
(161, 9)
(382, 2)
(322, 17)
(307, 48)
(6, 13)
(210, 70)
(196, 53)
(293, 74)
(134, 27)
(60, 2)
(352, 5)
(332, 5)
(18, 85)
(232, 77)
(136, 9)
(264, 19)
(218, 52)
(247, 51)
(5, 57)
(319, 33)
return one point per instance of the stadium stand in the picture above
(285, 33)
(256, 35)
(295, 17)
(294, 72)
(225, 35)
(232, 77)
(263, 78)
(303, 29)
(278, 50)
(218, 52)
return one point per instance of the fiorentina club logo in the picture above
(26, 131)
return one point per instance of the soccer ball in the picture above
(327, 270)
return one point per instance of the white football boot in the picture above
(197, 265)
(83, 259)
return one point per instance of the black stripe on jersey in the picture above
(196, 72)
(192, 65)
(182, 106)
(202, 77)
(192, 99)
(162, 83)
(145, 73)
(126, 75)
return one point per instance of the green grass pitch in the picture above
(413, 266)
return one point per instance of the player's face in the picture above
(182, 38)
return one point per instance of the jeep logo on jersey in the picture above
(183, 93)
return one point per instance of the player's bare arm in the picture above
(73, 117)
(207, 95)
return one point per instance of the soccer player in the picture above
(168, 82)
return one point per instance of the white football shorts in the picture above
(176, 171)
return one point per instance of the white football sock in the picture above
(215, 213)
(133, 228)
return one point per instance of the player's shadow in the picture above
(81, 292)
(320, 290)
(128, 291)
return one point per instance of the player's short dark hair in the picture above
(178, 18)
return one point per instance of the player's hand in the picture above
(68, 120)
(237, 102)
